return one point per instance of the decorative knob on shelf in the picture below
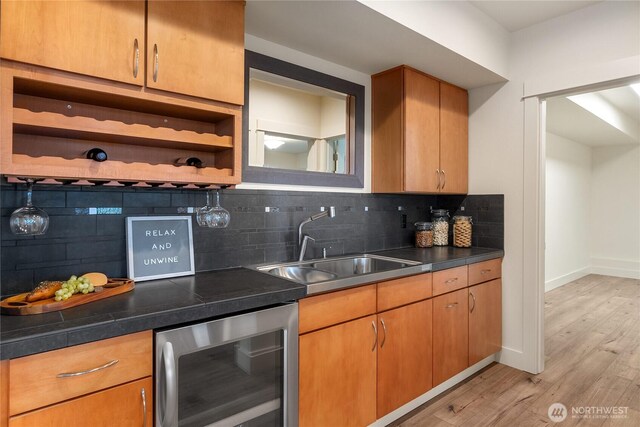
(190, 161)
(97, 154)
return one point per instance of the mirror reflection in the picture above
(297, 126)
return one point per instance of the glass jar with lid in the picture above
(424, 235)
(462, 231)
(440, 220)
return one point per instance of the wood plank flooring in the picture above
(592, 358)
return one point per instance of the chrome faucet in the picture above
(304, 238)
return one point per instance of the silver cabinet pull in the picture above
(144, 407)
(89, 371)
(375, 333)
(438, 177)
(455, 279)
(156, 64)
(453, 305)
(474, 301)
(384, 329)
(171, 388)
(485, 271)
(136, 57)
(444, 179)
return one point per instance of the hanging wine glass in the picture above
(29, 220)
(213, 216)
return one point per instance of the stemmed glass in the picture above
(213, 216)
(29, 220)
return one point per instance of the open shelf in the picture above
(51, 119)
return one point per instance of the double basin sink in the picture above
(327, 274)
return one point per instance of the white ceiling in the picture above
(516, 15)
(355, 36)
(569, 120)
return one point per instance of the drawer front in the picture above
(406, 290)
(122, 406)
(324, 310)
(485, 271)
(34, 381)
(449, 280)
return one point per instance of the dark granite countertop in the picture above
(162, 303)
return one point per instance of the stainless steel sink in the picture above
(302, 274)
(362, 264)
(322, 275)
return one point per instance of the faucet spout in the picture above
(302, 238)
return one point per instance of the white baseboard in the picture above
(566, 278)
(616, 267)
(440, 388)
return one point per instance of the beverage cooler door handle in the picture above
(171, 388)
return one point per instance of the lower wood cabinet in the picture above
(337, 366)
(102, 383)
(404, 355)
(127, 405)
(450, 335)
(485, 320)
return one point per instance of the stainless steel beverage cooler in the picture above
(240, 370)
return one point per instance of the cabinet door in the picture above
(485, 320)
(197, 48)
(450, 335)
(130, 404)
(404, 355)
(97, 38)
(421, 133)
(338, 375)
(454, 139)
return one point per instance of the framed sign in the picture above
(159, 246)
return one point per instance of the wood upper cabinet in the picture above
(454, 139)
(97, 38)
(404, 355)
(420, 134)
(197, 48)
(450, 335)
(338, 375)
(485, 320)
(194, 48)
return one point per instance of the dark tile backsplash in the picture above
(78, 241)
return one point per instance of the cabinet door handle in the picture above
(375, 333)
(488, 270)
(384, 329)
(444, 179)
(455, 279)
(144, 407)
(88, 371)
(136, 57)
(438, 178)
(452, 305)
(156, 64)
(474, 301)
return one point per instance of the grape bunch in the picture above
(73, 286)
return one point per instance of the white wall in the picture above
(615, 204)
(585, 39)
(568, 211)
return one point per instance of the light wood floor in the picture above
(592, 346)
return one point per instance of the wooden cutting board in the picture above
(17, 306)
